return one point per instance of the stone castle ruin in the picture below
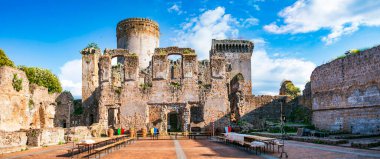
(146, 88)
(140, 86)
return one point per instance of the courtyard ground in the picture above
(194, 149)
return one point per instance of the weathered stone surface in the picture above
(65, 107)
(79, 133)
(14, 105)
(346, 94)
(195, 94)
(45, 136)
(140, 36)
(12, 141)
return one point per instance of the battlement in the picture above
(232, 46)
(137, 25)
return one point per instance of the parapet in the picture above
(231, 46)
(137, 25)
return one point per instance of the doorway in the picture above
(173, 122)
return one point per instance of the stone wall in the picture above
(65, 107)
(14, 105)
(12, 141)
(46, 136)
(346, 94)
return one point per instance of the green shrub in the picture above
(31, 104)
(4, 60)
(145, 86)
(175, 85)
(92, 45)
(42, 77)
(17, 83)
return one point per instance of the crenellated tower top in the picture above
(137, 25)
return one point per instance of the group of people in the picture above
(154, 132)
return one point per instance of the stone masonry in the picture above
(346, 94)
(146, 88)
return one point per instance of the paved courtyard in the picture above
(194, 149)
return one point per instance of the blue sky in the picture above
(291, 37)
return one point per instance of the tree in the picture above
(42, 77)
(4, 60)
(289, 89)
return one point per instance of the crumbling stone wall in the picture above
(12, 141)
(30, 108)
(90, 85)
(14, 105)
(65, 108)
(47, 136)
(346, 94)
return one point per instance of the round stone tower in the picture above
(140, 36)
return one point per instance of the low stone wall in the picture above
(12, 141)
(47, 136)
(78, 133)
(363, 120)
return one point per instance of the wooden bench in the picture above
(72, 150)
(221, 138)
(110, 146)
(194, 135)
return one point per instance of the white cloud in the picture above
(340, 17)
(175, 8)
(249, 22)
(198, 32)
(71, 77)
(268, 72)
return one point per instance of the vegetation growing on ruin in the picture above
(118, 65)
(187, 51)
(4, 60)
(17, 83)
(145, 86)
(292, 90)
(175, 85)
(31, 104)
(134, 55)
(206, 86)
(162, 52)
(92, 45)
(117, 90)
(42, 77)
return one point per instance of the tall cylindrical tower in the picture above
(140, 36)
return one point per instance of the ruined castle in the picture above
(147, 89)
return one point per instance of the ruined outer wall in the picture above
(13, 105)
(264, 107)
(140, 36)
(346, 93)
(90, 76)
